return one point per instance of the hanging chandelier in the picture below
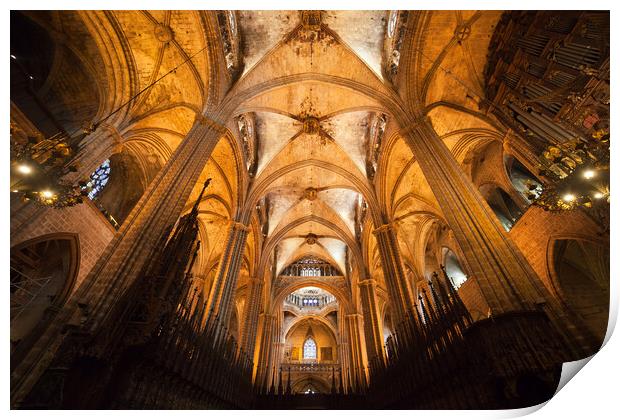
(38, 166)
(577, 172)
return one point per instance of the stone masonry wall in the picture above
(92, 228)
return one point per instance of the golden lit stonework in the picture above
(306, 209)
(311, 19)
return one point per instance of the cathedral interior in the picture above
(306, 209)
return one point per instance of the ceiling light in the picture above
(13, 57)
(589, 174)
(599, 195)
(24, 169)
(569, 197)
(47, 194)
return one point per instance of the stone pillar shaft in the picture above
(262, 364)
(345, 351)
(225, 281)
(372, 325)
(357, 367)
(250, 323)
(401, 299)
(159, 208)
(504, 276)
(506, 280)
(275, 353)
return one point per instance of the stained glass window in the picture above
(99, 179)
(309, 349)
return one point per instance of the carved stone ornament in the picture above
(311, 125)
(163, 33)
(311, 19)
(310, 194)
(311, 239)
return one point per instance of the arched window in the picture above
(504, 207)
(43, 272)
(453, 268)
(582, 275)
(99, 179)
(309, 388)
(310, 267)
(309, 349)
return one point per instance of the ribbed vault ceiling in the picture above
(314, 93)
(305, 196)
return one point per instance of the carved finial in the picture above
(206, 184)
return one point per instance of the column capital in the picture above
(239, 226)
(108, 128)
(508, 135)
(354, 316)
(414, 123)
(367, 282)
(266, 316)
(383, 228)
(211, 124)
(255, 280)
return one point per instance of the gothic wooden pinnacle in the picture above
(206, 184)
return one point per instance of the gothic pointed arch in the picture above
(43, 275)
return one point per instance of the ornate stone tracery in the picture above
(247, 133)
(375, 138)
(397, 24)
(230, 39)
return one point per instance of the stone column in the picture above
(278, 354)
(225, 281)
(372, 326)
(506, 280)
(157, 210)
(262, 368)
(344, 348)
(127, 253)
(275, 351)
(250, 322)
(401, 298)
(357, 365)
